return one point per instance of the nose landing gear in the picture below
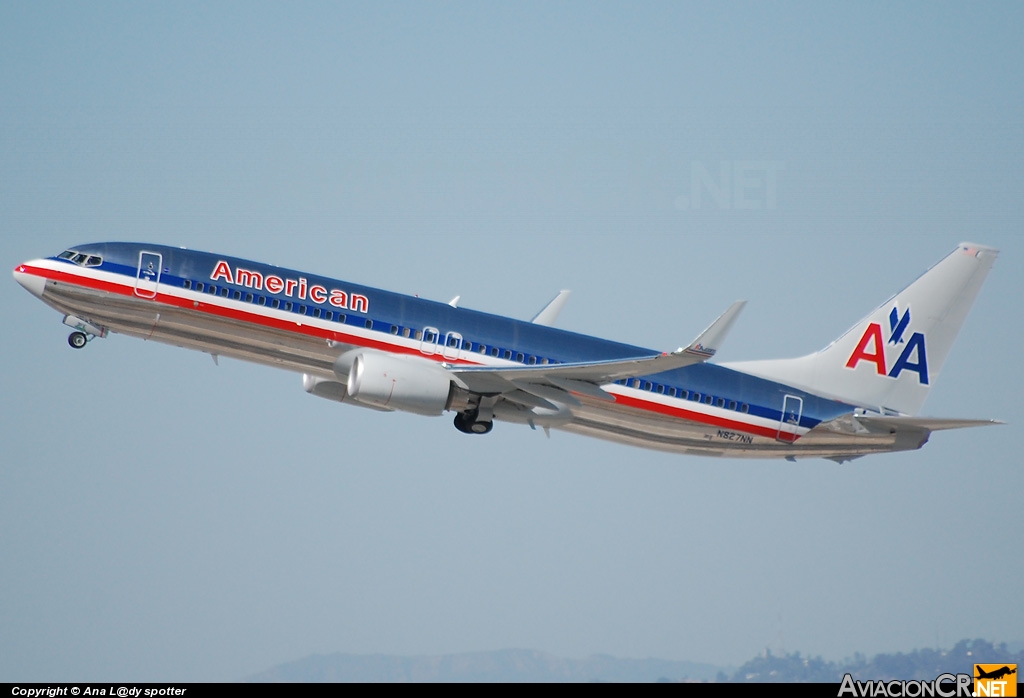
(84, 331)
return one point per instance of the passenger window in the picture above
(695, 397)
(634, 383)
(248, 298)
(721, 402)
(494, 351)
(744, 408)
(647, 385)
(732, 404)
(187, 284)
(544, 362)
(224, 293)
(507, 354)
(261, 300)
(341, 318)
(394, 329)
(519, 356)
(708, 399)
(417, 335)
(199, 287)
(275, 304)
(405, 332)
(684, 394)
(369, 324)
(532, 361)
(288, 306)
(481, 348)
(661, 389)
(237, 295)
(316, 312)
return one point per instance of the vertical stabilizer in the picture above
(890, 359)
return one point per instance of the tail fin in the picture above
(890, 359)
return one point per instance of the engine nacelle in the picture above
(401, 383)
(324, 387)
(333, 390)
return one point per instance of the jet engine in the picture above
(409, 384)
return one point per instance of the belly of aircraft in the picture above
(650, 430)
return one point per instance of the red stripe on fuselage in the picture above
(701, 418)
(311, 331)
(231, 313)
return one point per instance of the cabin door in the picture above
(789, 424)
(148, 277)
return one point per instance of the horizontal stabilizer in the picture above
(928, 423)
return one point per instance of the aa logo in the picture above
(995, 680)
(872, 348)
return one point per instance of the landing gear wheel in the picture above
(77, 340)
(467, 424)
(481, 427)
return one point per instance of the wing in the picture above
(556, 381)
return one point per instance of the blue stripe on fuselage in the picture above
(764, 397)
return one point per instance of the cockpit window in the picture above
(82, 260)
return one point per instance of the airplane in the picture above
(357, 345)
(995, 674)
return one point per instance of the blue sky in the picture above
(163, 518)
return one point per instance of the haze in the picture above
(162, 518)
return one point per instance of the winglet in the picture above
(547, 316)
(710, 340)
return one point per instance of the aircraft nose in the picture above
(30, 282)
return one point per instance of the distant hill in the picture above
(500, 666)
(923, 664)
(511, 666)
